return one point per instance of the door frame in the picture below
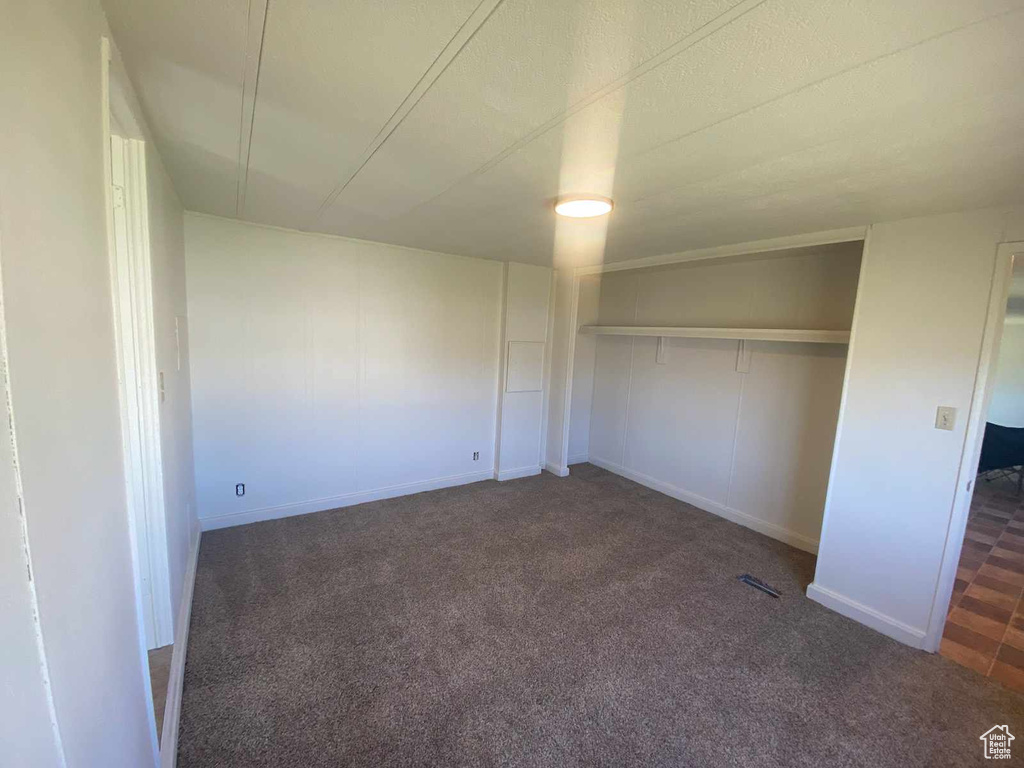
(984, 380)
(132, 305)
(139, 381)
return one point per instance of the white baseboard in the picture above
(554, 469)
(579, 458)
(761, 526)
(515, 474)
(176, 678)
(851, 609)
(335, 502)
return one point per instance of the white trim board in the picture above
(139, 385)
(869, 617)
(176, 678)
(579, 458)
(734, 515)
(116, 309)
(828, 237)
(515, 474)
(337, 502)
(556, 470)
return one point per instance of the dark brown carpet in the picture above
(584, 621)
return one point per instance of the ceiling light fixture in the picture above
(583, 206)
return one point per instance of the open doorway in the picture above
(983, 626)
(140, 384)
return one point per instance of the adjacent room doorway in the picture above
(978, 619)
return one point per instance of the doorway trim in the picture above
(132, 309)
(984, 380)
(139, 380)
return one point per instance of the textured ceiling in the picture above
(450, 125)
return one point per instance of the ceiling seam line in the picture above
(241, 110)
(375, 145)
(245, 137)
(426, 72)
(834, 75)
(255, 101)
(667, 54)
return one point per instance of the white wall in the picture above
(1007, 404)
(170, 325)
(63, 386)
(917, 337)
(328, 371)
(753, 447)
(527, 293)
(26, 730)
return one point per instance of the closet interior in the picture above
(719, 381)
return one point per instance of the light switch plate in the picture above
(945, 417)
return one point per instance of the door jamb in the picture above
(140, 301)
(140, 385)
(980, 398)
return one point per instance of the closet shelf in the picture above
(748, 334)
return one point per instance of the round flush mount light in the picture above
(583, 206)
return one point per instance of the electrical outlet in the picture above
(945, 417)
(476, 455)
(240, 489)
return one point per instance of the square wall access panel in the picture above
(525, 366)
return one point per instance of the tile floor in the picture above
(985, 626)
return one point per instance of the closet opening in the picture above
(718, 381)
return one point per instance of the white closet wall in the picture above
(754, 447)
